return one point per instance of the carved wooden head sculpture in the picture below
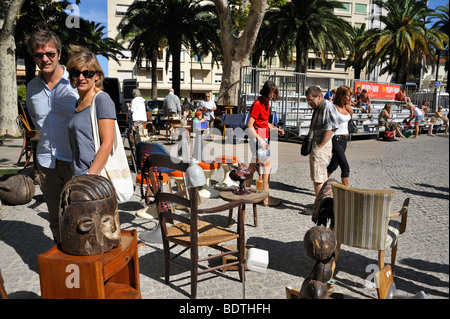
(16, 189)
(88, 216)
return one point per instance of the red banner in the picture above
(379, 91)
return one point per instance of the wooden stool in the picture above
(252, 198)
(227, 183)
(112, 275)
(208, 191)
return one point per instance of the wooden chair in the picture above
(363, 220)
(386, 286)
(192, 232)
(3, 294)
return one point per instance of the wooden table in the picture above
(252, 198)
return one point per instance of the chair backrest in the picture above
(160, 163)
(361, 216)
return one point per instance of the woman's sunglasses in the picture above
(88, 74)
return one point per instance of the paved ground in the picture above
(413, 168)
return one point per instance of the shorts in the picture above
(257, 151)
(419, 118)
(364, 107)
(319, 160)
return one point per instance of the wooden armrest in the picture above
(404, 213)
(222, 208)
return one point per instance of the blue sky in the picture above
(95, 10)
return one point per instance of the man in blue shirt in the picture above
(51, 104)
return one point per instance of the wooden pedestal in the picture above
(112, 275)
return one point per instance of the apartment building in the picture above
(198, 78)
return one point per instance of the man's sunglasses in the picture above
(40, 55)
(86, 73)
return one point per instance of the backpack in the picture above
(388, 136)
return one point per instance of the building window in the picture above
(326, 65)
(346, 7)
(311, 64)
(218, 78)
(339, 64)
(198, 58)
(121, 10)
(360, 8)
(181, 76)
(198, 77)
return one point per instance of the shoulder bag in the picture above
(308, 140)
(116, 169)
(352, 129)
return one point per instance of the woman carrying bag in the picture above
(93, 131)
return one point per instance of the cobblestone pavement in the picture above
(413, 168)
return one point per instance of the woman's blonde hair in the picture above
(82, 57)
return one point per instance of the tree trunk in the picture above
(154, 61)
(8, 80)
(236, 48)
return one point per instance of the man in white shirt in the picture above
(208, 106)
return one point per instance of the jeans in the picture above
(338, 158)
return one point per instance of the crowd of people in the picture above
(59, 102)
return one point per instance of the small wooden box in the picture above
(112, 275)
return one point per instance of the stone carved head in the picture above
(88, 216)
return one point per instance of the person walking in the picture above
(344, 113)
(138, 111)
(50, 103)
(326, 124)
(172, 104)
(258, 127)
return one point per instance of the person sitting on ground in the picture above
(415, 113)
(383, 120)
(364, 98)
(440, 116)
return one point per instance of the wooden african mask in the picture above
(16, 189)
(88, 216)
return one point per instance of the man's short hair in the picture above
(41, 38)
(314, 91)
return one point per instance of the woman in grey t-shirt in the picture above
(87, 76)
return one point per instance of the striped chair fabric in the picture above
(362, 218)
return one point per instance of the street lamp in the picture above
(439, 53)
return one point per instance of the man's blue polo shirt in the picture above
(51, 112)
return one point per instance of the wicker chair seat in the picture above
(209, 234)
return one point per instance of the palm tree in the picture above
(441, 13)
(358, 57)
(180, 22)
(305, 25)
(405, 39)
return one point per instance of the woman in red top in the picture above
(258, 127)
